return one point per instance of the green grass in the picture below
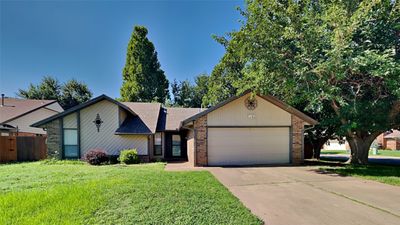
(383, 174)
(54, 192)
(380, 152)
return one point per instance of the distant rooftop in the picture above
(15, 107)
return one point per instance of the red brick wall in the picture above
(392, 144)
(200, 132)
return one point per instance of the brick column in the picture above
(297, 140)
(200, 127)
(53, 139)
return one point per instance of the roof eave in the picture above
(126, 133)
(80, 106)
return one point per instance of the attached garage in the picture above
(248, 130)
(248, 146)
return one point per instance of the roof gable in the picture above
(81, 106)
(268, 98)
(147, 112)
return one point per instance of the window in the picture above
(157, 144)
(176, 145)
(71, 149)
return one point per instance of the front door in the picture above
(175, 146)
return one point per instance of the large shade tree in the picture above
(68, 94)
(338, 58)
(143, 78)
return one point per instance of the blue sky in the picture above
(87, 40)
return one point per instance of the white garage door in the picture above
(247, 146)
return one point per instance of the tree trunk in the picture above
(317, 149)
(359, 149)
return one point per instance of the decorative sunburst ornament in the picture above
(98, 122)
(250, 103)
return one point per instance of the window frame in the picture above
(67, 145)
(155, 153)
(175, 145)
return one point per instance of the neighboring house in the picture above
(240, 131)
(389, 140)
(16, 115)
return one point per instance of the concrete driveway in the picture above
(301, 195)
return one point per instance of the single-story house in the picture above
(16, 115)
(389, 140)
(243, 130)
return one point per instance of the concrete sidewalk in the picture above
(304, 196)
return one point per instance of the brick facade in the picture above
(54, 139)
(200, 127)
(297, 140)
(392, 144)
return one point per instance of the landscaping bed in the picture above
(77, 193)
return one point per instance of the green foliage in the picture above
(187, 95)
(49, 88)
(183, 93)
(129, 156)
(61, 162)
(143, 79)
(68, 94)
(384, 174)
(74, 93)
(139, 194)
(339, 59)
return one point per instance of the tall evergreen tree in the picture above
(143, 79)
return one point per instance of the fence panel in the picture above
(31, 148)
(8, 149)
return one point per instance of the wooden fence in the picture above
(22, 148)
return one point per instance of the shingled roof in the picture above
(14, 108)
(170, 118)
(148, 114)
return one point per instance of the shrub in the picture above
(129, 156)
(96, 157)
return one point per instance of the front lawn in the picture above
(75, 193)
(384, 174)
(380, 152)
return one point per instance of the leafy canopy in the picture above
(68, 94)
(338, 59)
(187, 95)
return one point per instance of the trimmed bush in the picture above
(96, 157)
(129, 156)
